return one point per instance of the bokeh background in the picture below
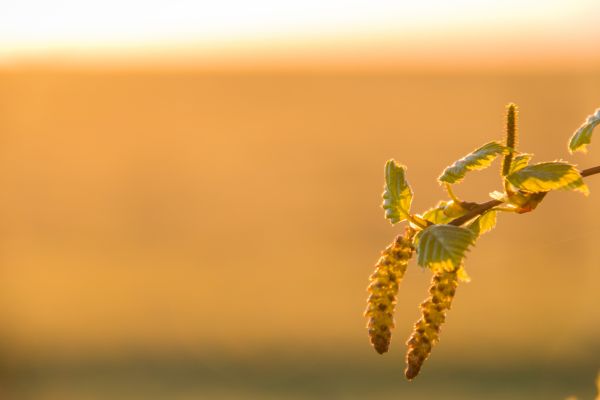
(189, 204)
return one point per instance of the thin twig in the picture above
(488, 205)
(590, 171)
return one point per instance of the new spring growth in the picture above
(426, 332)
(511, 136)
(383, 290)
(442, 235)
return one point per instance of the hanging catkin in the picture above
(383, 290)
(433, 313)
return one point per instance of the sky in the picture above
(285, 29)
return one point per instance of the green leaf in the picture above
(583, 136)
(547, 176)
(437, 214)
(443, 247)
(478, 159)
(455, 209)
(484, 223)
(520, 162)
(446, 211)
(397, 195)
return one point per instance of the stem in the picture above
(506, 209)
(488, 205)
(590, 171)
(451, 193)
(416, 222)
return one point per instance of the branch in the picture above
(590, 171)
(488, 205)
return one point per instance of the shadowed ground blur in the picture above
(178, 234)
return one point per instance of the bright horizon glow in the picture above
(242, 29)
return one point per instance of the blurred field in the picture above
(192, 234)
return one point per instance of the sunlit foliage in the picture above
(442, 235)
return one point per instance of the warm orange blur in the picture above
(189, 209)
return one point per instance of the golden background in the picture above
(185, 233)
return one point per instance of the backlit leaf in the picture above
(478, 159)
(583, 136)
(446, 211)
(484, 223)
(519, 162)
(436, 214)
(443, 247)
(547, 176)
(397, 195)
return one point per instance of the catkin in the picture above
(512, 113)
(433, 313)
(383, 290)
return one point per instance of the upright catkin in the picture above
(433, 314)
(512, 113)
(383, 290)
